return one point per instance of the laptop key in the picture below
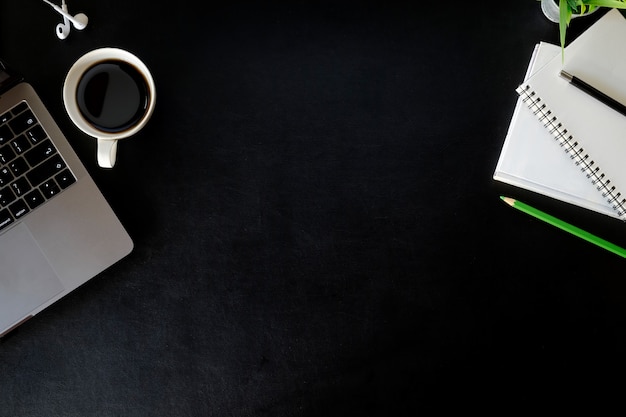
(36, 134)
(49, 188)
(19, 208)
(6, 196)
(20, 186)
(49, 168)
(20, 144)
(5, 134)
(19, 108)
(6, 154)
(5, 218)
(34, 199)
(5, 117)
(5, 176)
(40, 153)
(18, 166)
(65, 179)
(22, 122)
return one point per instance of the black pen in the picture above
(594, 92)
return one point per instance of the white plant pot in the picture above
(550, 8)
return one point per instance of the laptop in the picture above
(56, 229)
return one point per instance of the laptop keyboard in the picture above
(31, 169)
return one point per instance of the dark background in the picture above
(316, 227)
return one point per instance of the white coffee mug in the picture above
(109, 94)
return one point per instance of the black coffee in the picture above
(112, 96)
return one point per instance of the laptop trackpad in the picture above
(26, 278)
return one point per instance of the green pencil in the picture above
(565, 226)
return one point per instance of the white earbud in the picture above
(63, 29)
(79, 21)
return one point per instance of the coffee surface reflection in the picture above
(112, 95)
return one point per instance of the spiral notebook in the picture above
(590, 136)
(531, 159)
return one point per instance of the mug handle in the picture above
(107, 152)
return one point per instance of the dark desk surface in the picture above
(317, 230)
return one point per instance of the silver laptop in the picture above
(56, 229)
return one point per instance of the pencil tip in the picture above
(510, 201)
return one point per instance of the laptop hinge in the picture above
(7, 78)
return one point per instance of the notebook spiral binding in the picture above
(573, 149)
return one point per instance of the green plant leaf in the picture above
(565, 15)
(618, 4)
(575, 6)
(567, 7)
